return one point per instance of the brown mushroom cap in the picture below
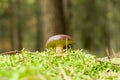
(59, 40)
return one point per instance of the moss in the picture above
(47, 65)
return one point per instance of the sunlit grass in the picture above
(47, 65)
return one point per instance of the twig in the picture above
(102, 60)
(60, 55)
(71, 71)
(63, 73)
(113, 52)
(108, 54)
(10, 52)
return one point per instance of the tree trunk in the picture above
(91, 22)
(95, 32)
(16, 25)
(19, 24)
(53, 18)
(11, 12)
(67, 15)
(89, 25)
(39, 41)
(13, 24)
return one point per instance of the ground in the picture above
(47, 65)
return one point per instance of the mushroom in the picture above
(59, 42)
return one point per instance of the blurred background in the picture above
(93, 24)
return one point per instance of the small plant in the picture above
(46, 65)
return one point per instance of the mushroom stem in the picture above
(59, 49)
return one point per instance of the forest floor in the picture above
(47, 65)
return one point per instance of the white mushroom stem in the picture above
(59, 49)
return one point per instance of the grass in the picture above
(47, 65)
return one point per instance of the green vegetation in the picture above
(47, 65)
